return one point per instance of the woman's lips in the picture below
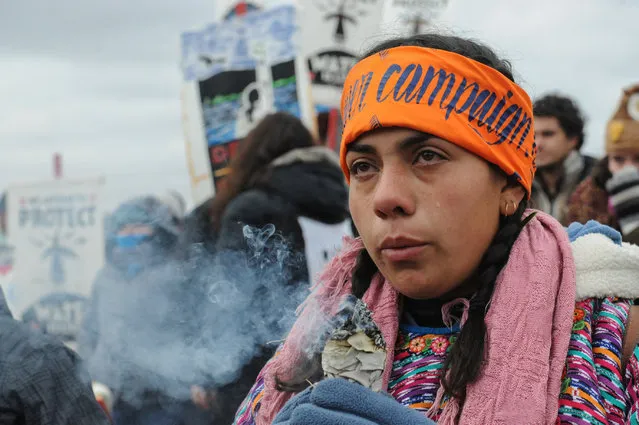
(404, 253)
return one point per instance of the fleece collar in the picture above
(605, 269)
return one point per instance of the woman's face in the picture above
(620, 159)
(426, 209)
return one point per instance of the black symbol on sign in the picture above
(417, 24)
(253, 98)
(58, 254)
(341, 17)
(420, 17)
(210, 61)
(338, 14)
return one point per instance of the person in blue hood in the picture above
(132, 328)
(142, 232)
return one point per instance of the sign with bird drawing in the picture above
(57, 232)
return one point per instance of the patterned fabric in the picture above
(251, 405)
(623, 189)
(419, 358)
(595, 390)
(632, 387)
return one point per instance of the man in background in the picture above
(559, 135)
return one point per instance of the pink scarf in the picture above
(529, 324)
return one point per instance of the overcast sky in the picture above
(99, 81)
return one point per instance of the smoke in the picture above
(198, 321)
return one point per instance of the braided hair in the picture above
(464, 361)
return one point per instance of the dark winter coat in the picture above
(305, 185)
(302, 183)
(41, 380)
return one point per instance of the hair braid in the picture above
(466, 356)
(363, 273)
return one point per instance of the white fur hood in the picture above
(605, 269)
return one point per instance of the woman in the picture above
(280, 180)
(280, 177)
(475, 310)
(611, 194)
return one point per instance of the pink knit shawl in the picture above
(528, 330)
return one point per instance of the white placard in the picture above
(56, 230)
(334, 34)
(322, 241)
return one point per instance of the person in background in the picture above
(611, 194)
(283, 179)
(133, 318)
(559, 135)
(42, 381)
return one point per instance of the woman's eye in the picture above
(360, 168)
(428, 156)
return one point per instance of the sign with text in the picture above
(334, 34)
(56, 229)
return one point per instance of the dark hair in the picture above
(466, 356)
(274, 136)
(570, 118)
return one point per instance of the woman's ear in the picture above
(511, 197)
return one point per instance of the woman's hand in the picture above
(339, 402)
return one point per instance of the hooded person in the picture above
(284, 193)
(456, 304)
(132, 323)
(611, 194)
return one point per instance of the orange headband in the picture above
(447, 95)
